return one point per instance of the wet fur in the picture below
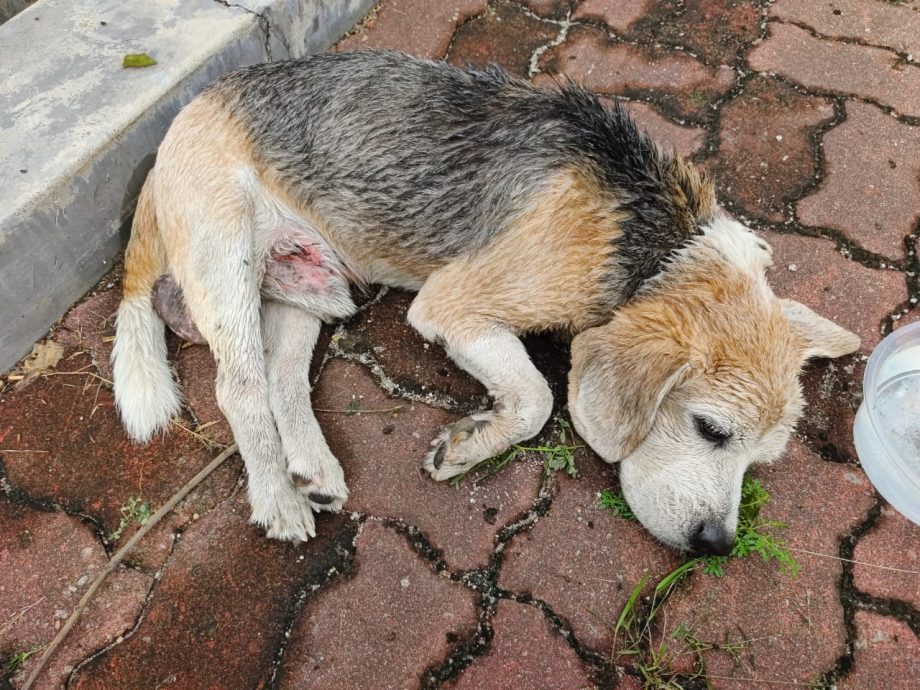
(510, 208)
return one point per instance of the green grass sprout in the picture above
(135, 510)
(617, 503)
(634, 628)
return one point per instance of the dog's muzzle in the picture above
(709, 538)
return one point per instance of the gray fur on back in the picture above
(435, 161)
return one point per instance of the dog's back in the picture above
(427, 162)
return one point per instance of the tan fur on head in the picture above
(708, 345)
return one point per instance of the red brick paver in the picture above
(219, 610)
(419, 27)
(382, 333)
(765, 153)
(525, 653)
(47, 562)
(871, 190)
(584, 561)
(887, 654)
(893, 542)
(894, 25)
(506, 34)
(381, 455)
(616, 14)
(381, 628)
(591, 59)
(714, 30)
(840, 67)
(64, 443)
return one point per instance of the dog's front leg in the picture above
(290, 335)
(494, 355)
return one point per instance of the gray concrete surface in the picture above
(78, 133)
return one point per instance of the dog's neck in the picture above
(722, 241)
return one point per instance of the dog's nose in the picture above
(710, 539)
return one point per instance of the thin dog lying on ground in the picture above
(510, 209)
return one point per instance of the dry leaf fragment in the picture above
(44, 357)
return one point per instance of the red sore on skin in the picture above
(301, 271)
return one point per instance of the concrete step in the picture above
(78, 132)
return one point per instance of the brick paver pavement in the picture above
(806, 113)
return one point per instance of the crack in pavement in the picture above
(484, 581)
(263, 22)
(904, 58)
(564, 24)
(141, 617)
(19, 496)
(335, 567)
(847, 591)
(155, 578)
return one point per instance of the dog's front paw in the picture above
(286, 516)
(464, 444)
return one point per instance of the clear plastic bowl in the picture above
(887, 427)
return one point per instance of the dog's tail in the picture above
(145, 393)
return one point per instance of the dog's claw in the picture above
(322, 496)
(322, 499)
(438, 458)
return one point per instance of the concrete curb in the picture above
(78, 133)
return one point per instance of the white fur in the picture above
(676, 479)
(289, 336)
(523, 400)
(145, 392)
(738, 245)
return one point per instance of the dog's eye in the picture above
(711, 432)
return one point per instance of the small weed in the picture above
(15, 660)
(655, 659)
(617, 504)
(134, 511)
(634, 628)
(699, 98)
(555, 458)
(488, 468)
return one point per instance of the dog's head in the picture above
(693, 381)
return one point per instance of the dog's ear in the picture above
(621, 373)
(820, 337)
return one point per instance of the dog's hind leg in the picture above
(290, 335)
(223, 298)
(492, 353)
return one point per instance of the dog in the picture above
(510, 209)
